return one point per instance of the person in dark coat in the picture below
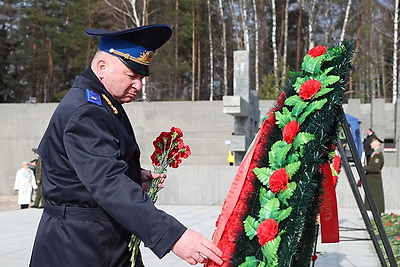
(374, 175)
(367, 144)
(38, 175)
(93, 183)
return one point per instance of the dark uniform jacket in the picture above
(91, 185)
(374, 178)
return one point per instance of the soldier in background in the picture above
(373, 171)
(38, 175)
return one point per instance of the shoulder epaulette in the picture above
(93, 97)
(114, 109)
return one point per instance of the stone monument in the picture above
(243, 105)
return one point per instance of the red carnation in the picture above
(177, 130)
(266, 231)
(317, 51)
(278, 180)
(290, 131)
(175, 163)
(185, 152)
(309, 88)
(314, 257)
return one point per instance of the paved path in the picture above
(18, 229)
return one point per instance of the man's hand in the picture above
(195, 248)
(148, 176)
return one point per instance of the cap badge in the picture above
(145, 57)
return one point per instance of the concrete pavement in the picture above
(18, 229)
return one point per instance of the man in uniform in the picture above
(373, 172)
(38, 176)
(93, 183)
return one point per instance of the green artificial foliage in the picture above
(287, 162)
(296, 245)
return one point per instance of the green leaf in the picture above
(299, 82)
(312, 64)
(292, 168)
(301, 139)
(311, 108)
(293, 157)
(284, 214)
(265, 195)
(301, 150)
(298, 108)
(331, 79)
(263, 174)
(283, 118)
(326, 71)
(269, 251)
(323, 91)
(250, 227)
(293, 100)
(278, 154)
(334, 52)
(284, 195)
(270, 210)
(251, 261)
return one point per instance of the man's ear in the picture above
(100, 67)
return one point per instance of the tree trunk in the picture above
(245, 27)
(224, 50)
(346, 18)
(274, 46)
(383, 71)
(176, 50)
(395, 40)
(285, 39)
(299, 23)
(311, 24)
(235, 25)
(193, 53)
(256, 47)
(210, 40)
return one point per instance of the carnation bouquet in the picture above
(169, 150)
(269, 216)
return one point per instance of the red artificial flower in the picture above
(388, 223)
(309, 88)
(290, 131)
(398, 237)
(185, 152)
(154, 159)
(177, 130)
(317, 51)
(175, 163)
(314, 257)
(278, 180)
(266, 231)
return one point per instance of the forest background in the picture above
(43, 45)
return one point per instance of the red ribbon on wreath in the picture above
(328, 210)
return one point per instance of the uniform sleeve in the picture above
(375, 164)
(92, 145)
